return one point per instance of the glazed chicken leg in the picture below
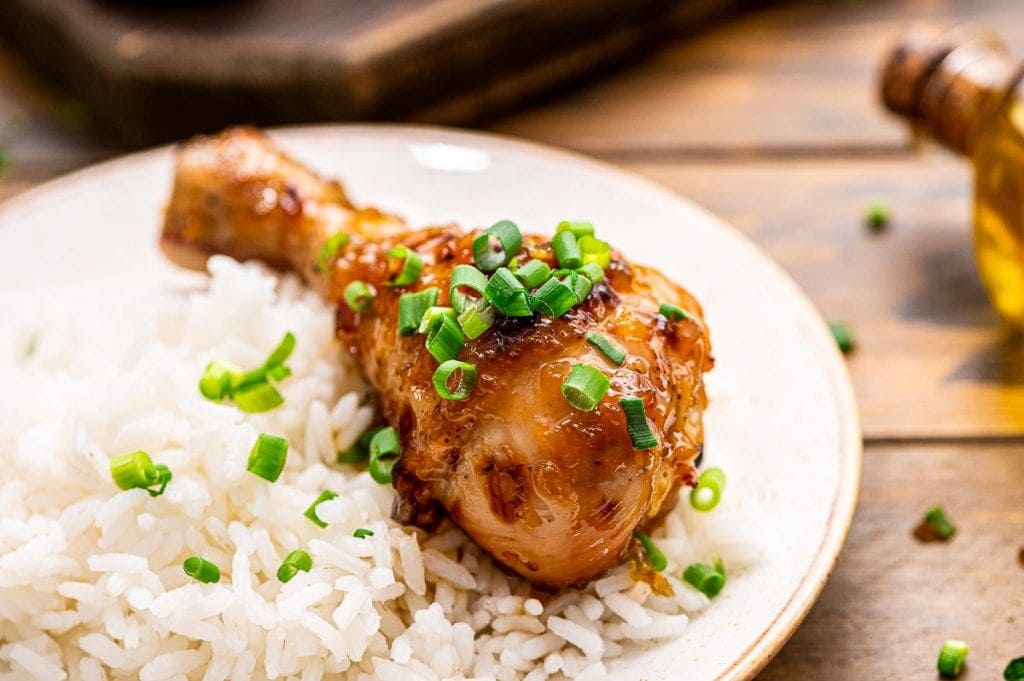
(552, 492)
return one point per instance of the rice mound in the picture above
(91, 579)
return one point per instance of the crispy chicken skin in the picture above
(552, 492)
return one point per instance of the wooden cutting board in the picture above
(166, 69)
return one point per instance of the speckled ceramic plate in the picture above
(782, 418)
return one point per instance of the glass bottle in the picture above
(963, 88)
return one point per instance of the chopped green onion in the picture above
(445, 338)
(507, 294)
(334, 243)
(293, 562)
(216, 380)
(137, 471)
(553, 299)
(267, 457)
(843, 336)
(595, 251)
(279, 372)
(496, 245)
(567, 250)
(201, 570)
(584, 387)
(283, 350)
(412, 307)
(475, 319)
(578, 228)
(592, 271)
(258, 398)
(471, 278)
(708, 492)
(310, 513)
(533, 273)
(467, 376)
(877, 216)
(935, 525)
(951, 658)
(412, 265)
(362, 533)
(385, 448)
(360, 451)
(1014, 670)
(705, 579)
(581, 286)
(655, 558)
(636, 423)
(358, 296)
(673, 313)
(605, 345)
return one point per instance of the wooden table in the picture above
(772, 122)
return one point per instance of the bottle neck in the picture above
(948, 82)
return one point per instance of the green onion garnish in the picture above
(496, 245)
(595, 251)
(216, 380)
(467, 376)
(250, 390)
(636, 423)
(293, 562)
(580, 284)
(578, 228)
(935, 526)
(553, 299)
(310, 513)
(592, 271)
(385, 448)
(533, 273)
(877, 216)
(412, 265)
(507, 294)
(362, 533)
(673, 313)
(201, 570)
(258, 398)
(1014, 670)
(469, 277)
(282, 352)
(445, 338)
(951, 658)
(705, 579)
(476, 318)
(137, 471)
(843, 336)
(567, 250)
(605, 345)
(334, 243)
(708, 492)
(585, 385)
(267, 457)
(360, 451)
(412, 307)
(655, 558)
(358, 296)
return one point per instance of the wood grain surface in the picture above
(772, 122)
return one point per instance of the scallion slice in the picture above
(1014, 670)
(293, 562)
(466, 375)
(250, 390)
(137, 471)
(412, 265)
(578, 228)
(580, 284)
(201, 570)
(605, 345)
(310, 513)
(267, 457)
(655, 558)
(334, 243)
(938, 524)
(257, 398)
(708, 492)
(705, 579)
(592, 271)
(216, 380)
(360, 451)
(362, 533)
(475, 319)
(567, 250)
(584, 387)
(507, 294)
(636, 423)
(469, 277)
(673, 313)
(358, 296)
(412, 307)
(951, 658)
(385, 448)
(595, 251)
(496, 245)
(445, 338)
(282, 352)
(553, 299)
(533, 273)
(843, 336)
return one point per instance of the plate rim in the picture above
(786, 621)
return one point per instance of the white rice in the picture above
(91, 579)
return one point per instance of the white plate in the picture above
(782, 419)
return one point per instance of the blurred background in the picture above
(765, 112)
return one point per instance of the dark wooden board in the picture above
(164, 70)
